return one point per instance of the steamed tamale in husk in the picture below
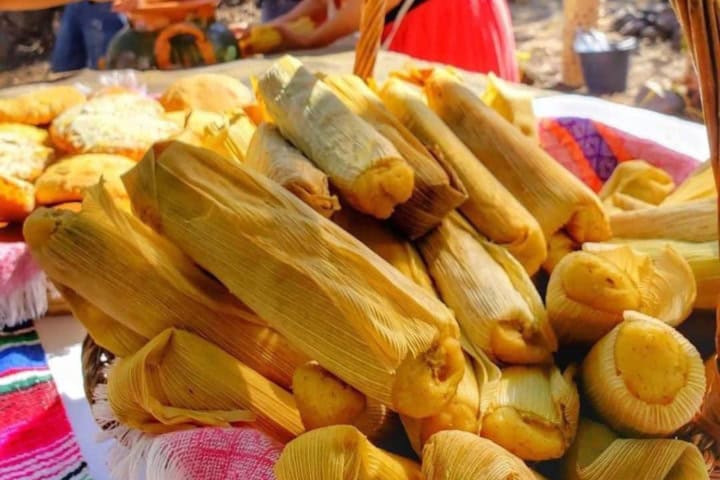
(559, 245)
(551, 193)
(362, 164)
(490, 208)
(589, 290)
(455, 455)
(178, 380)
(207, 130)
(644, 378)
(275, 158)
(620, 202)
(700, 185)
(436, 192)
(341, 452)
(141, 280)
(531, 411)
(640, 180)
(599, 454)
(332, 297)
(324, 400)
(515, 105)
(692, 222)
(703, 259)
(494, 300)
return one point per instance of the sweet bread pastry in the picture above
(17, 199)
(211, 92)
(23, 153)
(40, 106)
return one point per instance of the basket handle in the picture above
(372, 23)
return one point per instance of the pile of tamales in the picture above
(354, 270)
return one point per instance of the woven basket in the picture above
(95, 359)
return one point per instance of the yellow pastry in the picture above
(211, 92)
(23, 154)
(40, 106)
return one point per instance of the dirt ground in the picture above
(538, 30)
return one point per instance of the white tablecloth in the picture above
(62, 336)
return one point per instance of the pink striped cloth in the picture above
(23, 286)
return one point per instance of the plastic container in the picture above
(605, 65)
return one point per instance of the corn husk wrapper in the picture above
(620, 202)
(515, 105)
(236, 135)
(121, 342)
(559, 245)
(140, 279)
(207, 130)
(178, 380)
(363, 165)
(640, 180)
(691, 222)
(494, 300)
(703, 259)
(589, 290)
(341, 452)
(700, 185)
(437, 191)
(640, 397)
(272, 156)
(265, 38)
(551, 193)
(598, 453)
(332, 297)
(455, 455)
(531, 411)
(490, 208)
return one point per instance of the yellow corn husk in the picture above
(494, 300)
(644, 378)
(454, 455)
(236, 135)
(207, 130)
(364, 166)
(437, 192)
(178, 380)
(122, 341)
(395, 250)
(531, 411)
(598, 454)
(700, 185)
(341, 452)
(639, 180)
(551, 193)
(589, 290)
(145, 283)
(333, 298)
(265, 38)
(324, 400)
(620, 202)
(272, 156)
(515, 105)
(691, 222)
(462, 413)
(490, 208)
(704, 261)
(559, 245)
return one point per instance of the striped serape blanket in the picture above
(36, 440)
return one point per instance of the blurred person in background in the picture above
(475, 35)
(86, 28)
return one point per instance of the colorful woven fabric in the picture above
(592, 150)
(36, 440)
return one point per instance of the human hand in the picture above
(292, 39)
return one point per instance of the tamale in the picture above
(178, 380)
(552, 194)
(264, 38)
(703, 259)
(454, 455)
(324, 400)
(490, 208)
(515, 105)
(364, 166)
(494, 300)
(341, 452)
(436, 192)
(272, 156)
(147, 284)
(644, 377)
(332, 297)
(207, 130)
(589, 290)
(700, 185)
(640, 180)
(236, 135)
(531, 411)
(618, 202)
(559, 245)
(108, 333)
(392, 248)
(691, 222)
(598, 454)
